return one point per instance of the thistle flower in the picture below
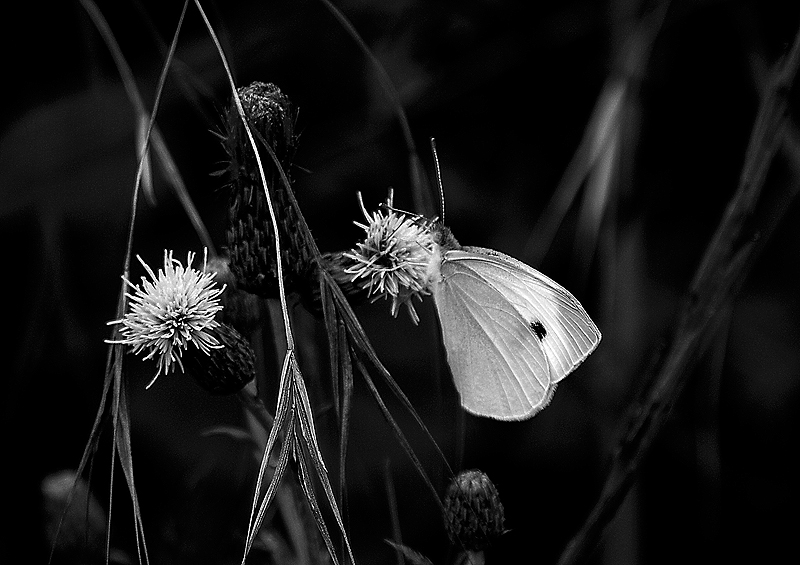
(169, 312)
(473, 513)
(393, 259)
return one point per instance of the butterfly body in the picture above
(510, 333)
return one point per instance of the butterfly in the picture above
(510, 333)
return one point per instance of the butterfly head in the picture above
(444, 238)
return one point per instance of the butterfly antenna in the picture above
(438, 177)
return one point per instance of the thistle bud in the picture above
(224, 370)
(250, 236)
(241, 309)
(473, 513)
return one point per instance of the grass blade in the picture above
(399, 433)
(283, 415)
(332, 322)
(307, 485)
(153, 134)
(91, 445)
(421, 191)
(720, 274)
(306, 421)
(347, 396)
(122, 442)
(599, 137)
(272, 488)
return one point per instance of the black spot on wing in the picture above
(538, 328)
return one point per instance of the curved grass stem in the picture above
(722, 270)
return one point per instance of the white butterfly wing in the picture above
(568, 335)
(510, 332)
(499, 367)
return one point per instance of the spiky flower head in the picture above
(393, 260)
(473, 513)
(170, 312)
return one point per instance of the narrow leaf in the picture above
(283, 415)
(91, 445)
(397, 431)
(272, 488)
(122, 441)
(347, 395)
(391, 497)
(306, 422)
(306, 416)
(331, 320)
(152, 132)
(143, 152)
(414, 557)
(308, 490)
(420, 192)
(363, 343)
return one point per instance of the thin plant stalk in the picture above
(114, 383)
(151, 134)
(722, 270)
(297, 404)
(420, 194)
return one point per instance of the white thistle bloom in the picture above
(393, 259)
(172, 310)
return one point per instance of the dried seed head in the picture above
(393, 260)
(473, 513)
(250, 237)
(225, 370)
(170, 312)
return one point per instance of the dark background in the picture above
(507, 90)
